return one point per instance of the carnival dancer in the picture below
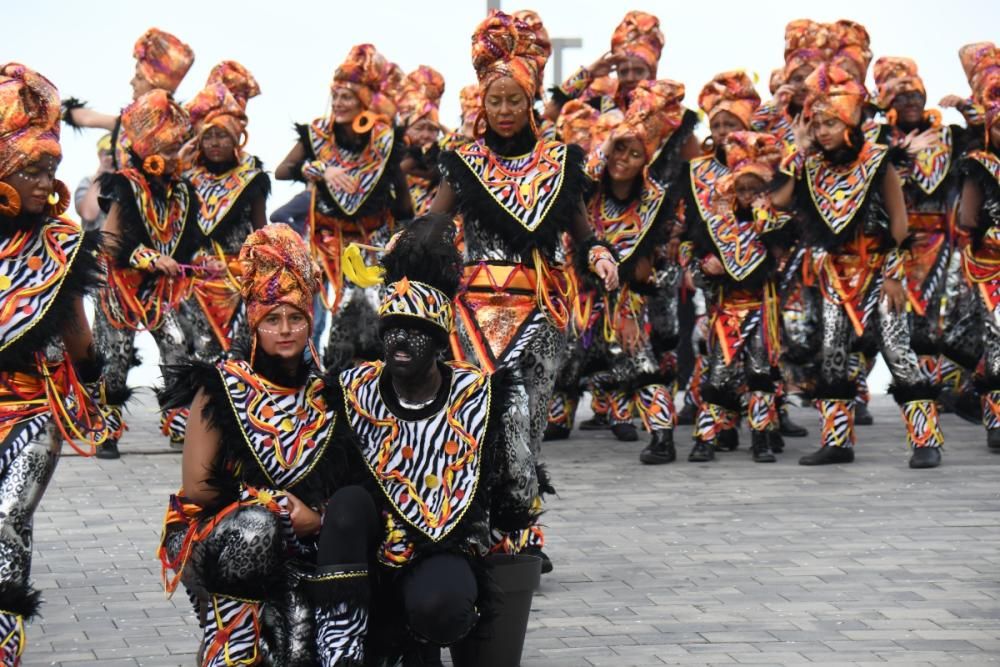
(50, 384)
(247, 533)
(351, 159)
(979, 213)
(161, 61)
(150, 232)
(734, 251)
(517, 194)
(444, 449)
(855, 214)
(417, 108)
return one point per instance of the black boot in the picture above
(789, 428)
(687, 414)
(925, 457)
(108, 450)
(598, 422)
(993, 439)
(660, 449)
(555, 432)
(862, 416)
(969, 407)
(777, 442)
(729, 440)
(701, 452)
(422, 655)
(625, 432)
(827, 455)
(537, 551)
(760, 447)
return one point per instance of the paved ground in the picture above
(711, 564)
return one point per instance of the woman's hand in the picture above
(803, 134)
(607, 271)
(711, 266)
(337, 179)
(603, 65)
(305, 520)
(630, 335)
(167, 265)
(894, 294)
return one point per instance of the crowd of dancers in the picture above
(339, 498)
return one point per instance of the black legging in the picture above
(350, 528)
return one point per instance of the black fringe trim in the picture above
(477, 205)
(763, 383)
(116, 188)
(668, 164)
(382, 196)
(968, 168)
(20, 599)
(987, 383)
(84, 277)
(922, 391)
(69, 105)
(716, 396)
(581, 264)
(961, 357)
(924, 346)
(844, 390)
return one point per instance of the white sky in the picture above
(293, 47)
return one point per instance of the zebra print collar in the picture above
(286, 429)
(838, 193)
(34, 263)
(218, 193)
(525, 186)
(365, 168)
(165, 218)
(429, 468)
(625, 224)
(989, 161)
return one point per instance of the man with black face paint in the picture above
(443, 446)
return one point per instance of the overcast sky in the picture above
(293, 47)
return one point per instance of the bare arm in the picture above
(112, 223)
(87, 207)
(201, 447)
(258, 214)
(691, 148)
(784, 195)
(286, 171)
(444, 200)
(403, 208)
(85, 117)
(78, 339)
(895, 205)
(970, 204)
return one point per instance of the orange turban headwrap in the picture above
(29, 118)
(852, 54)
(807, 43)
(639, 36)
(732, 92)
(276, 270)
(777, 80)
(835, 92)
(605, 125)
(384, 99)
(216, 106)
(154, 122)
(575, 123)
(362, 73)
(163, 60)
(236, 78)
(534, 21)
(653, 115)
(895, 76)
(421, 96)
(756, 153)
(503, 46)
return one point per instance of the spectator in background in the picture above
(85, 197)
(295, 214)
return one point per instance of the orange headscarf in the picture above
(895, 76)
(276, 270)
(835, 92)
(163, 60)
(807, 43)
(605, 125)
(471, 104)
(732, 92)
(575, 123)
(216, 106)
(852, 54)
(153, 122)
(639, 36)
(236, 78)
(384, 100)
(503, 46)
(29, 118)
(534, 21)
(420, 96)
(777, 80)
(361, 73)
(754, 153)
(653, 114)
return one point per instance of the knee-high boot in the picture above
(232, 634)
(341, 595)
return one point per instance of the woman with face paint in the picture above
(417, 105)
(517, 195)
(149, 233)
(945, 334)
(444, 448)
(161, 61)
(49, 370)
(351, 159)
(852, 202)
(248, 532)
(733, 259)
(979, 214)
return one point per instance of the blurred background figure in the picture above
(85, 197)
